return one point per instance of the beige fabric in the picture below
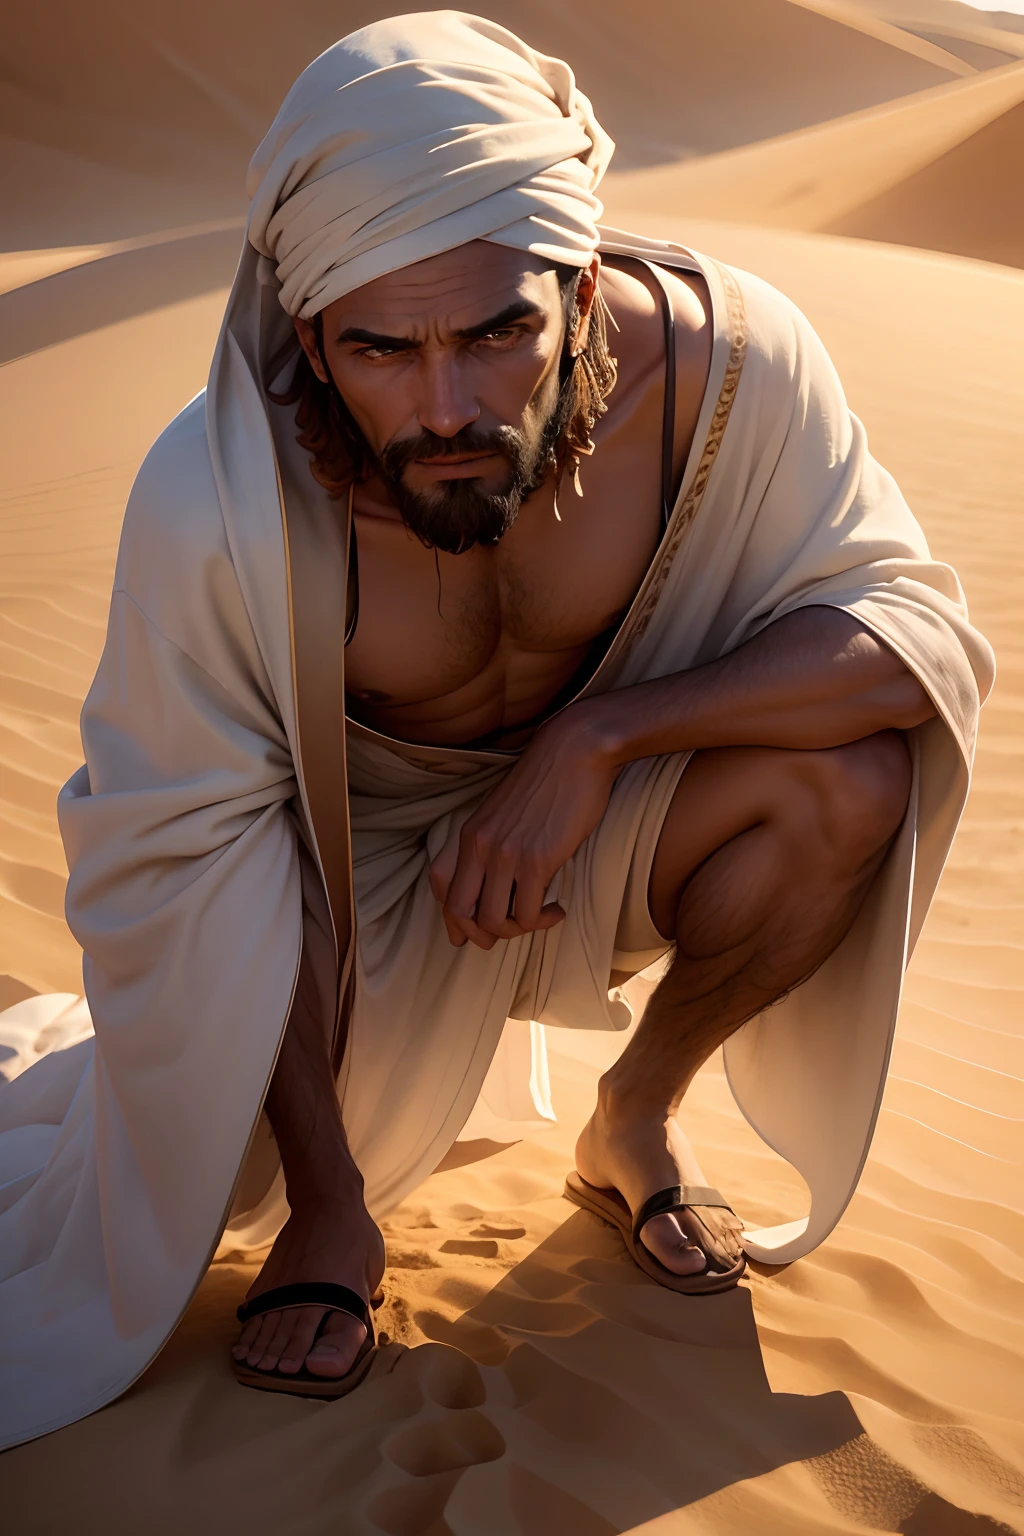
(415, 135)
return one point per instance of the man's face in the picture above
(450, 368)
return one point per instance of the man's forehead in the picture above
(479, 277)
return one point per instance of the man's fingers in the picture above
(529, 908)
(443, 867)
(489, 891)
(494, 909)
(529, 898)
(463, 894)
(461, 929)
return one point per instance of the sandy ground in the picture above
(875, 1385)
(984, 38)
(932, 169)
(137, 115)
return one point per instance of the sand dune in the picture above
(967, 201)
(938, 169)
(110, 283)
(984, 39)
(873, 1386)
(540, 1386)
(950, 15)
(125, 120)
(986, 52)
(78, 418)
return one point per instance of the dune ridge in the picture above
(898, 35)
(984, 39)
(935, 169)
(122, 120)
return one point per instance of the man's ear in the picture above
(306, 333)
(586, 293)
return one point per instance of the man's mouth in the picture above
(453, 466)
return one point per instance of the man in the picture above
(641, 656)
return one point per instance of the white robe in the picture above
(201, 853)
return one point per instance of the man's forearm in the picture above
(814, 679)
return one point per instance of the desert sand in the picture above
(541, 1385)
(939, 169)
(983, 38)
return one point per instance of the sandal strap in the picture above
(676, 1198)
(314, 1293)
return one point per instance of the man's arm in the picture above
(814, 679)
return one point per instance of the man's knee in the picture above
(856, 794)
(829, 810)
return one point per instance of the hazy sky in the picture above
(1007, 5)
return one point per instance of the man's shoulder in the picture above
(783, 350)
(174, 562)
(173, 517)
(175, 485)
(772, 328)
(773, 325)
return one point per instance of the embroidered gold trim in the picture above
(690, 505)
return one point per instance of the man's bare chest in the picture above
(452, 649)
(498, 632)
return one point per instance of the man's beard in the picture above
(455, 515)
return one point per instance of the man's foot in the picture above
(337, 1243)
(639, 1156)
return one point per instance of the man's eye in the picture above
(506, 334)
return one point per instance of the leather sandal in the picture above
(302, 1383)
(611, 1207)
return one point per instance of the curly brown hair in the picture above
(338, 451)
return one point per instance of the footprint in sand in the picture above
(447, 1436)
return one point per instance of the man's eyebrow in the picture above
(375, 339)
(519, 309)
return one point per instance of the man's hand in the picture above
(813, 679)
(491, 875)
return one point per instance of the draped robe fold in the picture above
(209, 838)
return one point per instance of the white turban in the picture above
(416, 135)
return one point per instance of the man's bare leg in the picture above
(764, 860)
(329, 1236)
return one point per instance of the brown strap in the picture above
(311, 1293)
(678, 1197)
(668, 424)
(352, 595)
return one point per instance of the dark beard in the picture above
(455, 515)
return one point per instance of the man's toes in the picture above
(716, 1236)
(734, 1243)
(294, 1352)
(335, 1351)
(672, 1246)
(246, 1338)
(275, 1342)
(264, 1334)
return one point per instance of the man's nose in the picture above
(447, 403)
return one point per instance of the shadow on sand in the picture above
(117, 287)
(640, 1403)
(574, 1398)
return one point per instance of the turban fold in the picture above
(416, 135)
